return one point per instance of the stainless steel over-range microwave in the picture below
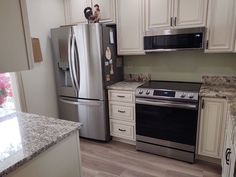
(174, 39)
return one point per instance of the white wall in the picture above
(39, 83)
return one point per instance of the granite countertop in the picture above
(219, 87)
(24, 136)
(125, 85)
(214, 91)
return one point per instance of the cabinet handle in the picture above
(120, 96)
(227, 155)
(171, 21)
(207, 44)
(175, 23)
(122, 130)
(203, 104)
(121, 111)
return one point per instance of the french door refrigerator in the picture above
(86, 62)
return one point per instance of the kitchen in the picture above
(216, 106)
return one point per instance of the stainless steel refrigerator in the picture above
(86, 62)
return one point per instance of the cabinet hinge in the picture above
(203, 104)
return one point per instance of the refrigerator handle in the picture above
(69, 102)
(74, 63)
(70, 64)
(81, 102)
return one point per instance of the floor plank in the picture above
(115, 159)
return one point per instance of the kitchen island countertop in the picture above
(24, 136)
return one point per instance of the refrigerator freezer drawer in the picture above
(92, 114)
(68, 111)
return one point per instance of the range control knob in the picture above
(140, 92)
(191, 95)
(147, 92)
(183, 95)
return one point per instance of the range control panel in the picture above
(152, 93)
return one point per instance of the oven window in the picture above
(171, 124)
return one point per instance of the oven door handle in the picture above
(171, 104)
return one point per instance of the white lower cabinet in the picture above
(122, 129)
(228, 156)
(212, 127)
(122, 114)
(61, 160)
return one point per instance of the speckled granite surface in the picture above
(137, 77)
(219, 87)
(127, 86)
(24, 136)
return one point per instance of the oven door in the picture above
(167, 123)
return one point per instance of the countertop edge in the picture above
(35, 154)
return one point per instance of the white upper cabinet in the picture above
(74, 10)
(130, 27)
(212, 127)
(107, 7)
(190, 13)
(158, 13)
(15, 40)
(175, 13)
(221, 26)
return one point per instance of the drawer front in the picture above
(123, 112)
(121, 96)
(121, 130)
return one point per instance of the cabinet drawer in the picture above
(121, 111)
(122, 130)
(122, 96)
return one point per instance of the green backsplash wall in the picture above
(182, 66)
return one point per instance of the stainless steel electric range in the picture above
(167, 118)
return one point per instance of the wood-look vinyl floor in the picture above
(116, 159)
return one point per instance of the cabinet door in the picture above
(107, 8)
(190, 13)
(158, 14)
(212, 127)
(15, 41)
(221, 26)
(74, 10)
(130, 27)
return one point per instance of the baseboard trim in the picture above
(208, 159)
(124, 140)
